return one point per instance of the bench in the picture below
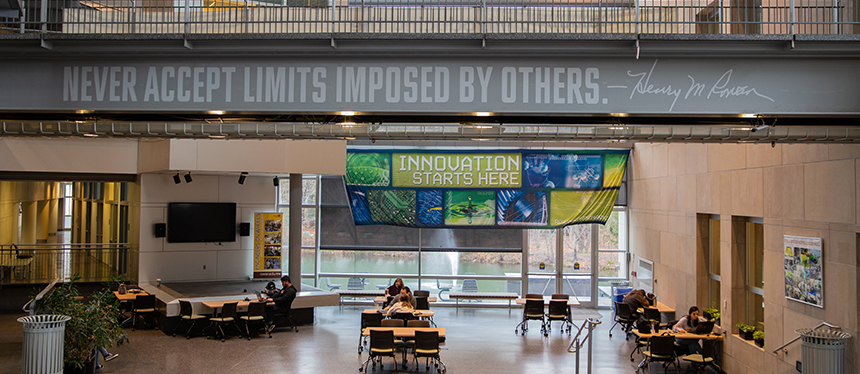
(359, 293)
(510, 296)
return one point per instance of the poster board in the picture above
(804, 270)
(268, 236)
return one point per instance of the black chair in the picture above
(442, 288)
(624, 318)
(661, 348)
(331, 287)
(144, 305)
(405, 316)
(563, 296)
(427, 345)
(701, 361)
(533, 310)
(422, 303)
(421, 293)
(256, 315)
(281, 315)
(381, 345)
(417, 323)
(394, 322)
(534, 296)
(228, 316)
(187, 316)
(373, 319)
(654, 314)
(558, 312)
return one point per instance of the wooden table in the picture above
(679, 335)
(128, 297)
(358, 293)
(482, 295)
(421, 313)
(404, 332)
(383, 299)
(546, 299)
(218, 304)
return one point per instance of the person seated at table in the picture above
(393, 290)
(636, 299)
(688, 324)
(283, 301)
(400, 306)
(404, 295)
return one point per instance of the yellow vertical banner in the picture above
(268, 233)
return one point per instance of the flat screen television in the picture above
(201, 222)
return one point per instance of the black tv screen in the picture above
(201, 222)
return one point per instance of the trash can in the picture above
(43, 343)
(619, 294)
(822, 351)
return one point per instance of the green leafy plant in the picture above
(745, 328)
(713, 312)
(758, 335)
(95, 323)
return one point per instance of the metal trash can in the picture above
(43, 343)
(823, 351)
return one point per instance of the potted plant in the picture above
(712, 314)
(745, 331)
(758, 336)
(95, 323)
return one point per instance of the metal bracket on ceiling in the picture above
(484, 41)
(333, 42)
(47, 44)
(637, 47)
(187, 44)
(793, 38)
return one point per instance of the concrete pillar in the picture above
(29, 219)
(295, 271)
(8, 222)
(42, 216)
(54, 215)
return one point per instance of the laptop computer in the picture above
(378, 309)
(704, 327)
(259, 296)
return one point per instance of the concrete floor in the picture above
(479, 340)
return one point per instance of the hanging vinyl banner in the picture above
(516, 189)
(268, 236)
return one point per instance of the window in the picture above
(709, 239)
(309, 225)
(748, 253)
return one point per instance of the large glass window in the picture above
(713, 258)
(754, 276)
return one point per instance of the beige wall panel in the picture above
(660, 160)
(783, 194)
(843, 151)
(235, 264)
(637, 196)
(253, 156)
(857, 195)
(803, 153)
(183, 154)
(676, 224)
(829, 190)
(72, 155)
(763, 155)
(256, 190)
(316, 157)
(153, 155)
(652, 193)
(840, 294)
(806, 225)
(773, 237)
(668, 193)
(697, 158)
(159, 188)
(747, 192)
(676, 159)
(843, 247)
(726, 192)
(149, 216)
(723, 157)
(774, 278)
(773, 315)
(747, 354)
(669, 250)
(643, 163)
(708, 193)
(686, 193)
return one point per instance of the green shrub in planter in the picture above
(95, 323)
(746, 331)
(712, 314)
(758, 336)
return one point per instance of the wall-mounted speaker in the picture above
(244, 229)
(160, 230)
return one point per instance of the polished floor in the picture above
(479, 340)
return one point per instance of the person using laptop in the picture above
(690, 323)
(404, 295)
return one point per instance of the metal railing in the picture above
(42, 263)
(475, 17)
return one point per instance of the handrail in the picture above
(38, 297)
(575, 345)
(798, 337)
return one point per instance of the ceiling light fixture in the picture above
(176, 179)
(482, 114)
(216, 112)
(188, 177)
(347, 113)
(242, 177)
(347, 124)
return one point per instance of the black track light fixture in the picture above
(176, 179)
(242, 177)
(275, 181)
(188, 177)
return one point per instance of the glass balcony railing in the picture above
(422, 17)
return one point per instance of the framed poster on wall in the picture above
(804, 270)
(268, 234)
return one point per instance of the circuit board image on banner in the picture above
(494, 188)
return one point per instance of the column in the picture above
(42, 223)
(295, 271)
(29, 217)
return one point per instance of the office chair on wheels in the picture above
(381, 345)
(186, 315)
(256, 315)
(623, 317)
(533, 310)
